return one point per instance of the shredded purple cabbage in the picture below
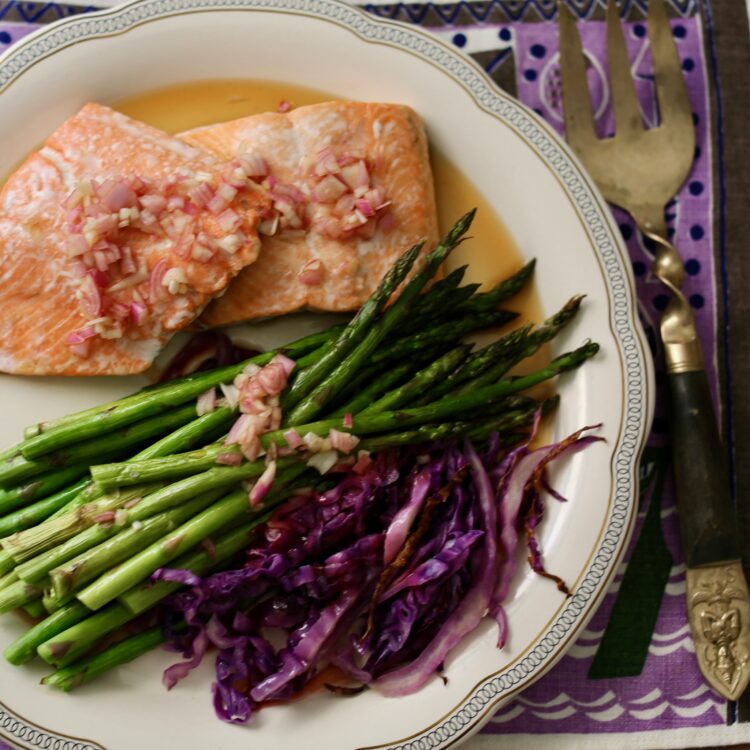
(380, 576)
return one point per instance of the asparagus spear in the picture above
(138, 599)
(435, 372)
(501, 292)
(18, 594)
(530, 345)
(435, 298)
(143, 596)
(444, 430)
(437, 305)
(139, 567)
(366, 424)
(37, 539)
(451, 331)
(450, 304)
(37, 568)
(103, 419)
(217, 478)
(27, 544)
(24, 648)
(197, 431)
(375, 381)
(52, 604)
(35, 609)
(230, 509)
(354, 332)
(195, 463)
(327, 389)
(33, 514)
(91, 667)
(177, 391)
(69, 645)
(70, 576)
(7, 563)
(8, 578)
(476, 363)
(110, 476)
(363, 424)
(40, 487)
(116, 442)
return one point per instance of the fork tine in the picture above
(579, 118)
(624, 99)
(674, 105)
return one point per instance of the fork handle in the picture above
(707, 519)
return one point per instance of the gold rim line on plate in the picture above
(604, 213)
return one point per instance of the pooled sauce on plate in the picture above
(492, 254)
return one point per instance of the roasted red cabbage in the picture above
(381, 576)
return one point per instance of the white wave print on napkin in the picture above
(608, 707)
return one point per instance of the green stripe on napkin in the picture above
(624, 646)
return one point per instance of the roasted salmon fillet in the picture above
(114, 235)
(352, 189)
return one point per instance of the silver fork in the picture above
(641, 170)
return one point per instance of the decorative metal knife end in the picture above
(718, 604)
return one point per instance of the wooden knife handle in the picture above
(707, 520)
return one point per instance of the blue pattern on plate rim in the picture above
(601, 229)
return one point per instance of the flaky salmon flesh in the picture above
(298, 148)
(67, 312)
(114, 235)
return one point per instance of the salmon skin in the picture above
(391, 140)
(42, 286)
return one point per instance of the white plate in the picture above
(554, 213)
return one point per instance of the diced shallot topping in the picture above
(253, 165)
(106, 516)
(343, 441)
(356, 175)
(269, 227)
(336, 196)
(98, 212)
(363, 462)
(81, 335)
(231, 394)
(90, 297)
(263, 485)
(348, 203)
(206, 402)
(293, 439)
(323, 461)
(326, 163)
(138, 312)
(259, 390)
(329, 189)
(336, 441)
(229, 459)
(311, 273)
